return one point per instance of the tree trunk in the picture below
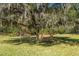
(41, 36)
(20, 37)
(37, 37)
(51, 35)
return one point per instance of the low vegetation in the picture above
(14, 48)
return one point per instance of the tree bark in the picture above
(37, 38)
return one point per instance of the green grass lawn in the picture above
(25, 49)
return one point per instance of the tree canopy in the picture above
(38, 18)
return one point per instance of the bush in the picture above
(9, 29)
(61, 30)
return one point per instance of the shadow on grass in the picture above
(59, 40)
(18, 41)
(46, 41)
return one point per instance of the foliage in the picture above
(36, 18)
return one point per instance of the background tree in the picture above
(39, 18)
